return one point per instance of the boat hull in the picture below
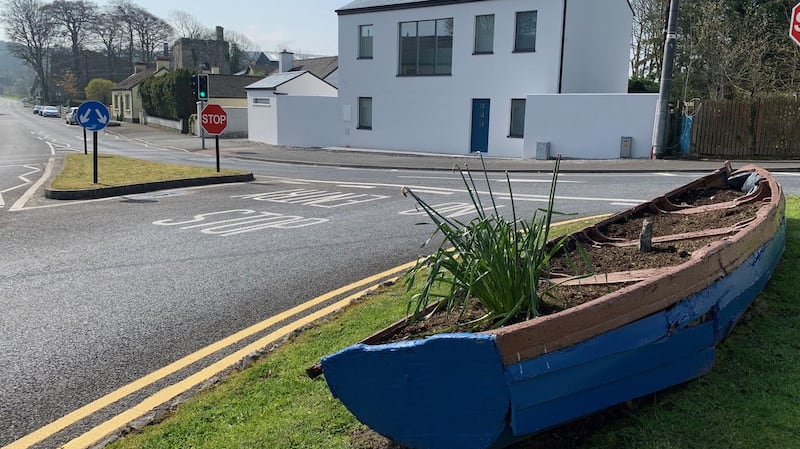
(469, 391)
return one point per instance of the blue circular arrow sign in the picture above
(93, 115)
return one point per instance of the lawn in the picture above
(750, 399)
(78, 172)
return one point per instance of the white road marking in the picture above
(248, 222)
(45, 176)
(316, 198)
(449, 210)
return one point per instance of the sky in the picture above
(301, 26)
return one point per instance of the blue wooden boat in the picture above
(659, 329)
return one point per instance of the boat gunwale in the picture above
(522, 341)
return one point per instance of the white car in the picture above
(50, 111)
(71, 117)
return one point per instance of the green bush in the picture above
(168, 96)
(502, 263)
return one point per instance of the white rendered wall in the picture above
(597, 46)
(262, 120)
(433, 113)
(307, 85)
(590, 126)
(308, 121)
(237, 122)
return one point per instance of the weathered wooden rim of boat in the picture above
(547, 333)
(484, 390)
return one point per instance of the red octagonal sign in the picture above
(213, 119)
(794, 24)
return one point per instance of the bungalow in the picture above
(457, 76)
(126, 104)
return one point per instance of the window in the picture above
(262, 102)
(426, 47)
(364, 112)
(525, 36)
(517, 118)
(365, 42)
(484, 34)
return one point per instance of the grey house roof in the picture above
(273, 81)
(229, 86)
(321, 67)
(134, 80)
(361, 6)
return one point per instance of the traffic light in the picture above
(194, 86)
(202, 87)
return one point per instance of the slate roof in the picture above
(359, 6)
(273, 81)
(134, 80)
(321, 67)
(229, 86)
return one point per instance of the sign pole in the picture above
(216, 142)
(85, 151)
(94, 147)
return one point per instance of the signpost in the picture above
(794, 24)
(93, 116)
(214, 120)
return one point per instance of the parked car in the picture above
(37, 108)
(50, 111)
(71, 117)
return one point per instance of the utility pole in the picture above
(662, 107)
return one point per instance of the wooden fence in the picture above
(766, 129)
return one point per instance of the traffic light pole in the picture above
(200, 105)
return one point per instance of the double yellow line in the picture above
(167, 394)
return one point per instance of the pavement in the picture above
(371, 158)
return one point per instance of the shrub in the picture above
(502, 263)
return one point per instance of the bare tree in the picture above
(124, 15)
(109, 35)
(30, 30)
(150, 31)
(75, 18)
(648, 40)
(188, 26)
(241, 49)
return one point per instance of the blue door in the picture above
(480, 125)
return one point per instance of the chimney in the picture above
(166, 49)
(285, 61)
(162, 62)
(220, 33)
(139, 67)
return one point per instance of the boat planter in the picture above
(660, 328)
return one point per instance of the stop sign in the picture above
(794, 24)
(213, 119)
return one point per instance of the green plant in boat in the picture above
(502, 263)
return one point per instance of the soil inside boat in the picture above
(618, 255)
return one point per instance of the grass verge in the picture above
(748, 400)
(115, 171)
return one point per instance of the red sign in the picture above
(213, 119)
(794, 24)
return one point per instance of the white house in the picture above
(293, 107)
(456, 76)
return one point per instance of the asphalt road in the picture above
(96, 294)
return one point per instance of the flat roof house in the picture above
(456, 76)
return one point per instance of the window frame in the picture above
(361, 114)
(263, 102)
(517, 15)
(521, 133)
(418, 47)
(361, 37)
(475, 50)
